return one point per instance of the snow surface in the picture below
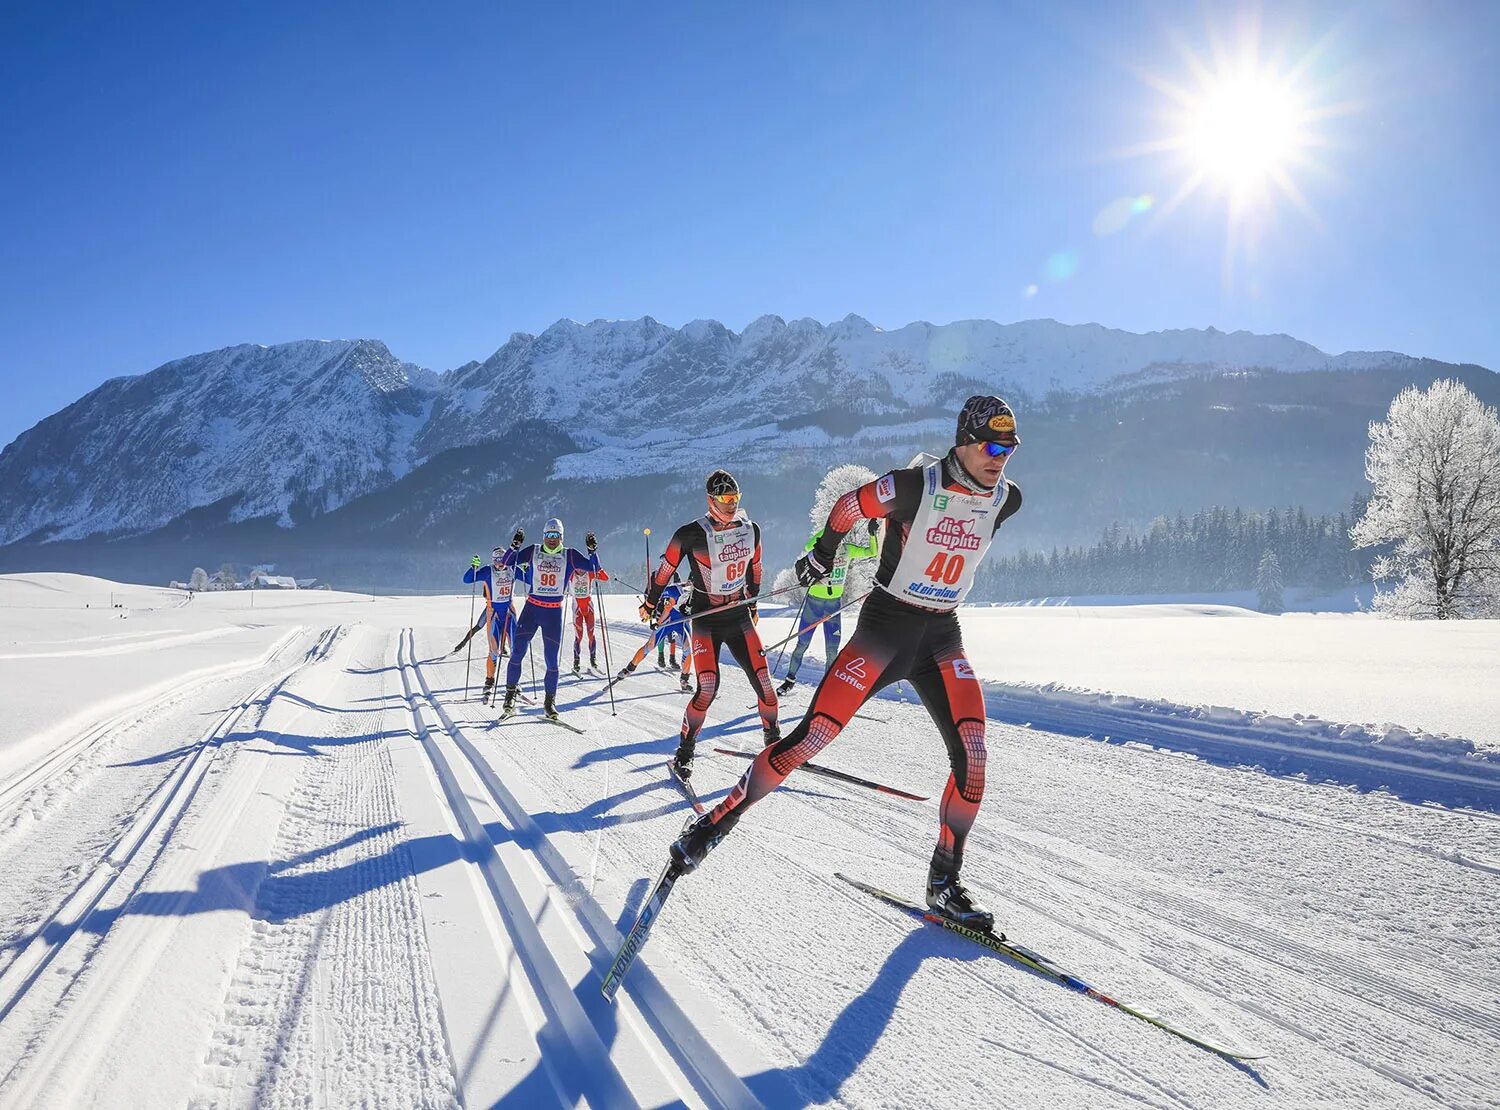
(328, 880)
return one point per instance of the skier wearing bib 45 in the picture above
(943, 516)
(821, 609)
(498, 581)
(547, 568)
(722, 552)
(583, 613)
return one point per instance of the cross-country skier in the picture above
(821, 609)
(722, 552)
(583, 613)
(668, 625)
(498, 581)
(944, 516)
(547, 568)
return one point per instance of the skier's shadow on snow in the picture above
(860, 1025)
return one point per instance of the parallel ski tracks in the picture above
(65, 756)
(154, 823)
(575, 1042)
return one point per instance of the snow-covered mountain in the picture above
(297, 430)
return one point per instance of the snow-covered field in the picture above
(271, 856)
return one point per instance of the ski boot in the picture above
(699, 837)
(672, 664)
(787, 686)
(948, 897)
(509, 708)
(549, 708)
(686, 685)
(577, 670)
(771, 734)
(593, 660)
(626, 671)
(489, 689)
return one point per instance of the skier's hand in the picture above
(590, 543)
(810, 568)
(474, 562)
(874, 528)
(517, 540)
(646, 614)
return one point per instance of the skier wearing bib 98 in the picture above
(722, 552)
(943, 516)
(547, 568)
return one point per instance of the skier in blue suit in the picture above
(547, 568)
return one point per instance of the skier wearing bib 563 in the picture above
(824, 599)
(547, 568)
(943, 516)
(722, 551)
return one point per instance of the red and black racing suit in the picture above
(894, 640)
(734, 628)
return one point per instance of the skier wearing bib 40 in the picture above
(547, 568)
(583, 613)
(499, 582)
(722, 551)
(821, 609)
(943, 517)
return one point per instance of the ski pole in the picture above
(817, 622)
(609, 668)
(477, 626)
(531, 658)
(798, 626)
(648, 552)
(744, 601)
(469, 655)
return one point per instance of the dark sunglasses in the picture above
(998, 450)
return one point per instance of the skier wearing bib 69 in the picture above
(943, 517)
(547, 568)
(722, 552)
(498, 581)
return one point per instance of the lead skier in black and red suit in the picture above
(722, 553)
(943, 517)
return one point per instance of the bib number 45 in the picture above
(945, 568)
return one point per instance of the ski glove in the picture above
(474, 562)
(646, 615)
(810, 568)
(517, 540)
(590, 543)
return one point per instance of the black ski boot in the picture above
(489, 688)
(593, 660)
(771, 734)
(787, 686)
(661, 661)
(509, 708)
(686, 685)
(948, 897)
(577, 667)
(626, 671)
(549, 708)
(699, 837)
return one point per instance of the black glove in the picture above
(517, 540)
(590, 543)
(646, 615)
(810, 568)
(874, 528)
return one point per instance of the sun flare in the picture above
(1244, 132)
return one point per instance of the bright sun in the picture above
(1244, 132)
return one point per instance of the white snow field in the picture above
(273, 857)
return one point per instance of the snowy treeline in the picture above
(1435, 465)
(1214, 550)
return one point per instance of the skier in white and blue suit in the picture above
(547, 568)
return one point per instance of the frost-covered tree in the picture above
(198, 580)
(225, 578)
(1268, 583)
(1435, 465)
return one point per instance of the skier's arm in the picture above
(752, 580)
(894, 494)
(812, 541)
(676, 548)
(1011, 506)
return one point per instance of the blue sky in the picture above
(176, 178)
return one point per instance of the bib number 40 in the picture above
(945, 568)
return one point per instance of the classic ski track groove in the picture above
(155, 823)
(65, 756)
(713, 1079)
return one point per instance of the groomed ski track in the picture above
(322, 878)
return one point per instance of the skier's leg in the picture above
(947, 686)
(578, 604)
(706, 643)
(507, 625)
(588, 618)
(492, 633)
(833, 629)
(804, 635)
(526, 626)
(550, 621)
(744, 645)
